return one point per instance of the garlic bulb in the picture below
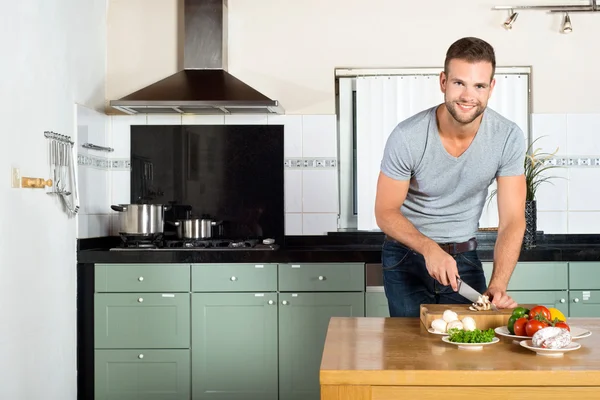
(450, 316)
(469, 324)
(438, 325)
(454, 325)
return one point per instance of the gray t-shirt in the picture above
(447, 194)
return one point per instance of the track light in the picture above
(567, 28)
(510, 21)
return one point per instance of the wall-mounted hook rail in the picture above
(96, 147)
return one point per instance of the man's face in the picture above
(467, 89)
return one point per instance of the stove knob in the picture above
(141, 278)
(233, 278)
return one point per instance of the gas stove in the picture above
(158, 242)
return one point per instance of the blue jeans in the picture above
(407, 283)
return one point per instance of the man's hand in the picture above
(499, 297)
(441, 266)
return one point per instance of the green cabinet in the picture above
(303, 322)
(376, 304)
(142, 332)
(142, 374)
(234, 337)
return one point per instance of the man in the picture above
(436, 169)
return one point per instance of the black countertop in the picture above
(348, 246)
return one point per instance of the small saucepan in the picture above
(195, 228)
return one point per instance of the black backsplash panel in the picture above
(231, 173)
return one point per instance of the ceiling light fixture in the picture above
(511, 19)
(567, 28)
(593, 7)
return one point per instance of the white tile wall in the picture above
(93, 182)
(569, 204)
(311, 199)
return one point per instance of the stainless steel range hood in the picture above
(204, 86)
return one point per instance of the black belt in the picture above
(451, 248)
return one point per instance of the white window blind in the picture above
(383, 101)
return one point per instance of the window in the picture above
(372, 102)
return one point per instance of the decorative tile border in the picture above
(117, 164)
(310, 163)
(574, 161)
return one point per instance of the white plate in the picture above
(470, 346)
(430, 330)
(549, 352)
(576, 333)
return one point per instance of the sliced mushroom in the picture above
(482, 304)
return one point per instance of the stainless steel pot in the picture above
(195, 228)
(140, 219)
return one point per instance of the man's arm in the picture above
(390, 196)
(511, 194)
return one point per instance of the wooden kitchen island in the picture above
(396, 358)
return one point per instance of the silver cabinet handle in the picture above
(321, 278)
(562, 300)
(141, 278)
(271, 302)
(140, 300)
(285, 302)
(233, 278)
(575, 300)
(141, 356)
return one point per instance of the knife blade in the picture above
(469, 293)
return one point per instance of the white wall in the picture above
(289, 49)
(53, 57)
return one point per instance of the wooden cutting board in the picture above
(483, 319)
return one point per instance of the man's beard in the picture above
(464, 118)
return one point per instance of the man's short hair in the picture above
(471, 49)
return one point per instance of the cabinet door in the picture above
(234, 338)
(303, 322)
(557, 299)
(584, 303)
(142, 320)
(376, 305)
(535, 275)
(142, 374)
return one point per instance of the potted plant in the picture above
(536, 163)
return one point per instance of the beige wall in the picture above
(289, 49)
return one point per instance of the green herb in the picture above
(474, 336)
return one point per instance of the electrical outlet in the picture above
(16, 178)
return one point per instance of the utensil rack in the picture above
(96, 147)
(62, 169)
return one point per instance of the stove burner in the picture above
(152, 241)
(211, 243)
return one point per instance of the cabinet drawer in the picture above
(142, 374)
(584, 275)
(142, 278)
(314, 277)
(234, 277)
(535, 275)
(141, 320)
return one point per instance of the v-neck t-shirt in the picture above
(447, 194)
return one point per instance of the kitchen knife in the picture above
(469, 293)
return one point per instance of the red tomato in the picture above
(519, 326)
(533, 326)
(561, 325)
(539, 310)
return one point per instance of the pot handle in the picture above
(119, 208)
(167, 207)
(176, 223)
(215, 223)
